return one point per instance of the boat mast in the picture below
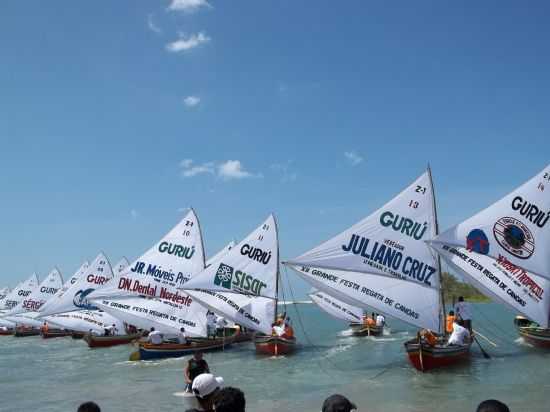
(442, 296)
(278, 272)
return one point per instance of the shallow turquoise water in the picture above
(58, 374)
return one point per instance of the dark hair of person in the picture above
(451, 313)
(89, 407)
(230, 399)
(460, 322)
(492, 405)
(461, 298)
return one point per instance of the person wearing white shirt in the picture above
(221, 323)
(155, 337)
(460, 334)
(113, 330)
(464, 312)
(380, 320)
(182, 337)
(210, 324)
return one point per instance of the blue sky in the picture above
(116, 115)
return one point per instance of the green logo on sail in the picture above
(224, 275)
(241, 282)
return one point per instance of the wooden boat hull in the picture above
(274, 345)
(55, 333)
(531, 333)
(22, 333)
(8, 332)
(149, 351)
(359, 329)
(78, 335)
(432, 357)
(107, 341)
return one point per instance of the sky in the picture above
(116, 116)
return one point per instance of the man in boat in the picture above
(221, 323)
(155, 337)
(195, 366)
(114, 330)
(464, 312)
(380, 320)
(288, 332)
(206, 388)
(182, 337)
(449, 322)
(210, 324)
(460, 335)
(45, 327)
(230, 400)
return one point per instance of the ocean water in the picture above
(58, 374)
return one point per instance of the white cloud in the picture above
(185, 43)
(191, 101)
(228, 170)
(152, 26)
(188, 6)
(353, 158)
(134, 213)
(189, 169)
(233, 169)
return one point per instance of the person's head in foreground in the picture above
(89, 407)
(229, 400)
(198, 355)
(338, 403)
(492, 405)
(205, 387)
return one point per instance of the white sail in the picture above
(85, 321)
(20, 292)
(47, 289)
(120, 266)
(252, 312)
(221, 253)
(163, 269)
(382, 261)
(28, 319)
(501, 280)
(81, 271)
(250, 268)
(3, 295)
(504, 249)
(161, 314)
(76, 297)
(6, 323)
(516, 227)
(336, 308)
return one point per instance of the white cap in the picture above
(205, 384)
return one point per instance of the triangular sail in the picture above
(504, 249)
(250, 267)
(76, 297)
(162, 270)
(20, 292)
(85, 321)
(382, 261)
(336, 308)
(66, 286)
(161, 314)
(46, 290)
(517, 228)
(120, 266)
(3, 295)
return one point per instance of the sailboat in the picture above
(6, 327)
(503, 251)
(383, 262)
(150, 293)
(343, 311)
(243, 286)
(25, 313)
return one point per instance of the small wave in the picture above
(345, 332)
(522, 342)
(337, 349)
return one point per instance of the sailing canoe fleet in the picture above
(390, 262)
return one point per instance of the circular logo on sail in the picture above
(80, 299)
(514, 237)
(477, 241)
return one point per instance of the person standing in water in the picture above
(195, 367)
(464, 312)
